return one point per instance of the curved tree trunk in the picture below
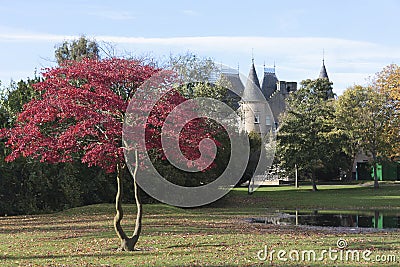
(127, 243)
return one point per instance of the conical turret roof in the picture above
(323, 74)
(252, 91)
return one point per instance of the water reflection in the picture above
(374, 219)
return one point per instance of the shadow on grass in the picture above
(30, 229)
(114, 252)
(51, 256)
(197, 245)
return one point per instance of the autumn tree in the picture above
(28, 186)
(363, 115)
(387, 82)
(305, 135)
(79, 116)
(77, 50)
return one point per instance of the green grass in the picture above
(328, 197)
(216, 235)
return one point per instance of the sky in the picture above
(358, 37)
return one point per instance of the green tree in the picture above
(363, 115)
(77, 50)
(387, 82)
(201, 77)
(191, 69)
(13, 98)
(255, 142)
(306, 134)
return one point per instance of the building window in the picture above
(256, 119)
(268, 120)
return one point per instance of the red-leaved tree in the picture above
(79, 115)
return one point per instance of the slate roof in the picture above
(252, 90)
(236, 85)
(323, 73)
(235, 82)
(269, 84)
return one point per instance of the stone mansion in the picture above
(261, 105)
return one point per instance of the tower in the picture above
(269, 84)
(254, 107)
(323, 74)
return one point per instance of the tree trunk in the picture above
(350, 170)
(376, 183)
(314, 184)
(127, 243)
(376, 219)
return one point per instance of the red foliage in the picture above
(80, 115)
(189, 137)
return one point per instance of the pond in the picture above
(324, 218)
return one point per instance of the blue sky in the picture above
(359, 37)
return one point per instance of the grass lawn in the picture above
(216, 235)
(328, 197)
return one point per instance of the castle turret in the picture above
(323, 74)
(252, 88)
(256, 113)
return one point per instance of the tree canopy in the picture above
(79, 113)
(77, 50)
(305, 135)
(387, 82)
(364, 115)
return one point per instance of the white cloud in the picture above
(10, 34)
(26, 37)
(347, 61)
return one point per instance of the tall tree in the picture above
(305, 135)
(191, 68)
(79, 116)
(199, 77)
(77, 50)
(363, 114)
(387, 82)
